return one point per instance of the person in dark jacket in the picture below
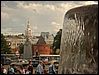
(52, 69)
(30, 67)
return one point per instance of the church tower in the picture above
(27, 54)
(28, 32)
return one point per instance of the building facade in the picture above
(40, 44)
(41, 47)
(14, 41)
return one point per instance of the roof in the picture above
(41, 40)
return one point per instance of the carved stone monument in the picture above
(79, 42)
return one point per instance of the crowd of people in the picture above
(28, 69)
(13, 69)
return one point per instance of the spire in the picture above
(28, 24)
(28, 31)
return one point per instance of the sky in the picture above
(44, 16)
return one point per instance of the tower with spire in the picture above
(28, 32)
(27, 54)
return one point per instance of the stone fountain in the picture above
(79, 42)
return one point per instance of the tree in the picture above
(57, 41)
(5, 48)
(21, 48)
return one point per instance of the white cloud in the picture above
(54, 23)
(30, 7)
(37, 6)
(20, 4)
(10, 13)
(52, 7)
(9, 31)
(3, 5)
(90, 2)
(6, 30)
(35, 27)
(49, 15)
(56, 26)
(68, 6)
(4, 15)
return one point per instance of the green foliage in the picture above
(5, 48)
(21, 48)
(57, 41)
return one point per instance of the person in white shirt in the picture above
(39, 69)
(27, 72)
(11, 69)
(4, 71)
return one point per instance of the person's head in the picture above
(40, 62)
(30, 62)
(24, 66)
(12, 65)
(52, 62)
(1, 65)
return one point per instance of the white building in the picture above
(15, 41)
